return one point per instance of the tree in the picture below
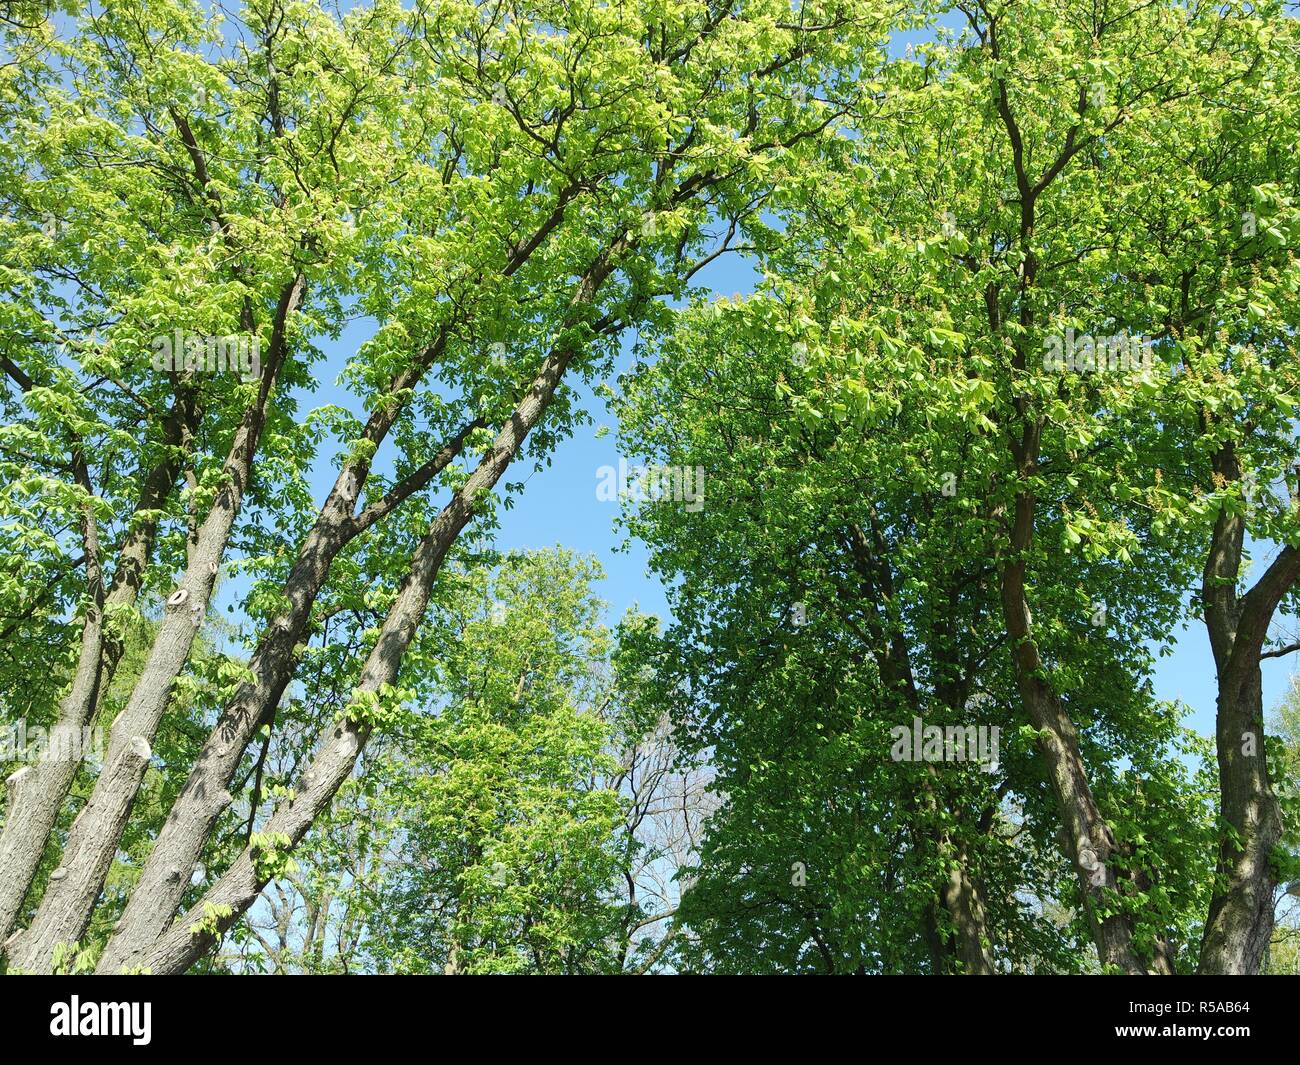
(506, 825)
(1008, 207)
(1015, 398)
(511, 838)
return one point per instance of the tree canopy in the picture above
(1010, 409)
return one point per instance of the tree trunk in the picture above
(962, 897)
(179, 846)
(38, 791)
(65, 910)
(92, 841)
(205, 795)
(959, 894)
(1239, 923)
(340, 744)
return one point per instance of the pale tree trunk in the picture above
(49, 791)
(1239, 923)
(192, 834)
(338, 747)
(179, 846)
(205, 796)
(66, 911)
(70, 897)
(340, 743)
(36, 792)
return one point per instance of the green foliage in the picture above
(488, 831)
(902, 443)
(854, 418)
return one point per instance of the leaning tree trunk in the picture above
(69, 899)
(37, 792)
(179, 845)
(92, 841)
(341, 743)
(205, 797)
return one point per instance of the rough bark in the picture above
(461, 508)
(955, 925)
(36, 792)
(1239, 923)
(205, 795)
(66, 907)
(166, 873)
(337, 750)
(962, 896)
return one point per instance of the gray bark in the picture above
(205, 797)
(92, 840)
(66, 907)
(185, 943)
(36, 792)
